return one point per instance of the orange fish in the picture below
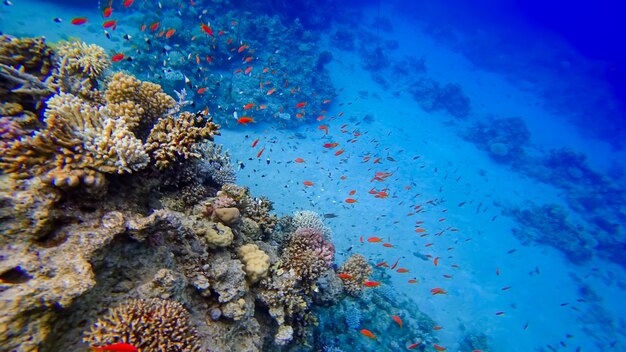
(395, 264)
(383, 264)
(437, 327)
(339, 152)
(79, 20)
(107, 12)
(308, 183)
(143, 27)
(323, 128)
(368, 333)
(330, 145)
(397, 320)
(255, 142)
(202, 90)
(242, 48)
(438, 291)
(299, 160)
(344, 276)
(271, 91)
(414, 345)
(248, 70)
(436, 261)
(419, 229)
(155, 26)
(109, 24)
(412, 281)
(402, 270)
(248, 59)
(326, 101)
(244, 120)
(206, 29)
(260, 152)
(127, 3)
(374, 239)
(439, 348)
(388, 245)
(352, 192)
(117, 57)
(301, 105)
(248, 106)
(170, 33)
(321, 117)
(117, 347)
(371, 284)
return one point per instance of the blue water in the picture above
(497, 129)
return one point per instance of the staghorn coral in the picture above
(255, 260)
(172, 137)
(150, 325)
(359, 269)
(310, 219)
(81, 59)
(308, 254)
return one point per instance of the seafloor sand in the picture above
(400, 129)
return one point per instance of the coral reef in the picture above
(310, 219)
(308, 254)
(503, 138)
(255, 260)
(149, 325)
(432, 96)
(359, 270)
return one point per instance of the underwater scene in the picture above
(372, 175)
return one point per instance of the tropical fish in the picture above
(127, 3)
(170, 33)
(117, 57)
(368, 333)
(260, 152)
(374, 239)
(299, 160)
(255, 142)
(248, 70)
(437, 327)
(344, 276)
(414, 345)
(371, 284)
(308, 183)
(204, 89)
(117, 347)
(339, 152)
(395, 264)
(436, 261)
(107, 12)
(402, 270)
(301, 104)
(439, 348)
(109, 24)
(271, 91)
(79, 20)
(248, 106)
(331, 145)
(324, 128)
(245, 120)
(350, 200)
(397, 320)
(438, 291)
(155, 26)
(206, 29)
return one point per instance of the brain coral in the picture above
(255, 260)
(149, 325)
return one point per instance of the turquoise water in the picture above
(485, 148)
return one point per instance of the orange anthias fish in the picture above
(206, 29)
(117, 347)
(402, 270)
(436, 261)
(260, 152)
(301, 104)
(439, 348)
(414, 345)
(331, 145)
(299, 160)
(248, 106)
(202, 90)
(128, 3)
(107, 12)
(79, 20)
(438, 291)
(323, 128)
(308, 183)
(170, 33)
(256, 141)
(117, 57)
(109, 24)
(374, 239)
(371, 284)
(368, 333)
(397, 320)
(155, 26)
(388, 245)
(271, 91)
(245, 120)
(344, 276)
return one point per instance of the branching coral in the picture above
(172, 137)
(83, 59)
(215, 164)
(308, 254)
(359, 270)
(30, 53)
(310, 219)
(149, 325)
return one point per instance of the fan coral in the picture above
(149, 325)
(255, 260)
(308, 254)
(79, 58)
(359, 269)
(172, 137)
(311, 219)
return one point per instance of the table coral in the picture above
(150, 325)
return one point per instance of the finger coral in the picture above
(359, 270)
(149, 325)
(172, 137)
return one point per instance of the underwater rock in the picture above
(256, 262)
(227, 216)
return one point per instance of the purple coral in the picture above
(223, 201)
(314, 240)
(309, 253)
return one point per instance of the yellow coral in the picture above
(216, 235)
(256, 262)
(171, 137)
(359, 270)
(79, 58)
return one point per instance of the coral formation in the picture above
(310, 219)
(149, 325)
(81, 59)
(359, 270)
(308, 254)
(255, 260)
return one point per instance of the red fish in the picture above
(117, 57)
(127, 3)
(436, 261)
(255, 142)
(323, 128)
(344, 276)
(395, 264)
(339, 152)
(245, 120)
(397, 320)
(248, 70)
(260, 152)
(402, 270)
(202, 90)
(248, 106)
(301, 105)
(109, 24)
(414, 345)
(206, 29)
(374, 239)
(437, 327)
(368, 333)
(299, 160)
(271, 91)
(79, 20)
(371, 284)
(242, 48)
(107, 12)
(383, 264)
(308, 183)
(353, 192)
(439, 348)
(331, 145)
(170, 33)
(350, 200)
(412, 281)
(117, 347)
(155, 26)
(438, 291)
